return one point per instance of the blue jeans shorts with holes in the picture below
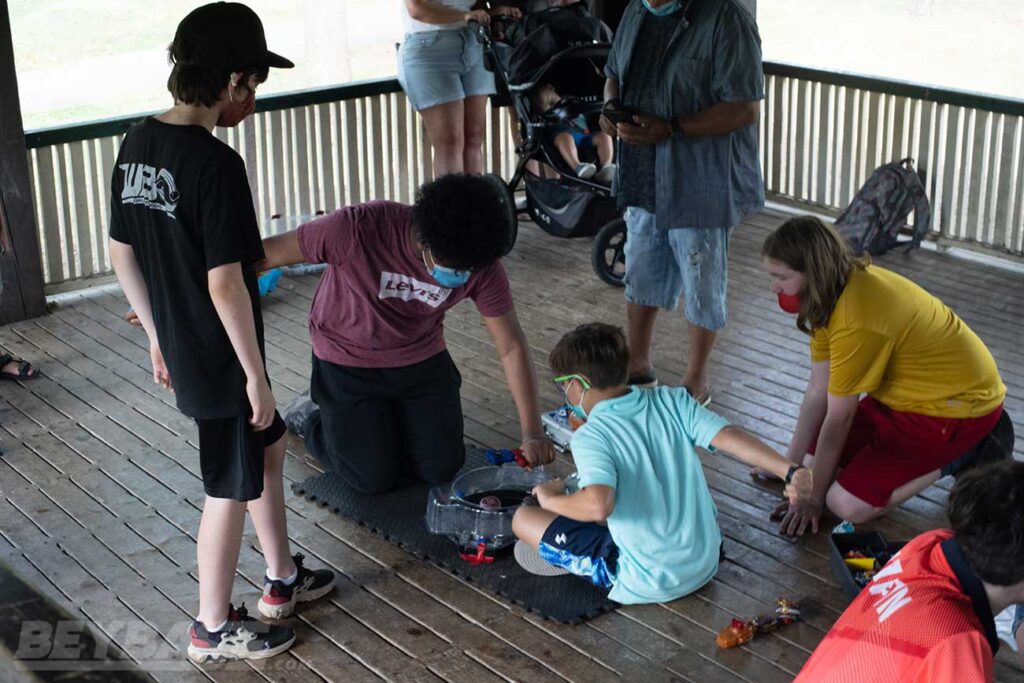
(664, 263)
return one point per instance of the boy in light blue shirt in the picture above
(643, 522)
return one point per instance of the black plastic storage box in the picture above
(844, 543)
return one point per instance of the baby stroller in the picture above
(567, 48)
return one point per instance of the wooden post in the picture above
(21, 267)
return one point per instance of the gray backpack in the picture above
(873, 220)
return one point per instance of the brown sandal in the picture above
(703, 398)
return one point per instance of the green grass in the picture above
(87, 59)
(81, 60)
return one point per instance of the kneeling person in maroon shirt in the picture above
(384, 403)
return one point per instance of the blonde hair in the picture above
(816, 250)
(544, 96)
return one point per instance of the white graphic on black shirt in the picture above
(396, 286)
(149, 187)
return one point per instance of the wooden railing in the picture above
(822, 134)
(306, 152)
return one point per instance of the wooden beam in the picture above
(21, 267)
(610, 11)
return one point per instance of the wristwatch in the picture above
(677, 128)
(793, 470)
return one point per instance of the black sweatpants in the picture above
(379, 426)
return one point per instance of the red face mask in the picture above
(790, 303)
(237, 111)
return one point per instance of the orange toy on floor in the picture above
(739, 631)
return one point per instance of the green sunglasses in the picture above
(560, 381)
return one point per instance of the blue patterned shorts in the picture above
(583, 548)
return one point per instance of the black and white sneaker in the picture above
(298, 413)
(279, 598)
(243, 637)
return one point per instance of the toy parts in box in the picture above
(857, 557)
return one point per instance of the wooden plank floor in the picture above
(100, 494)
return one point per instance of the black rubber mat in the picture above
(399, 517)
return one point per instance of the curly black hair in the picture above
(468, 221)
(986, 512)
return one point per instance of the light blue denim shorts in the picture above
(663, 263)
(441, 66)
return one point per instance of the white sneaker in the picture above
(531, 561)
(586, 171)
(606, 174)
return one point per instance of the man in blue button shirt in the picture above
(682, 94)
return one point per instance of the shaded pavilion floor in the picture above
(100, 493)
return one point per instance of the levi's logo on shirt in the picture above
(396, 286)
(152, 188)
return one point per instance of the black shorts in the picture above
(231, 455)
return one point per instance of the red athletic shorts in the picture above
(886, 448)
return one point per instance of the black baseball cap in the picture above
(225, 34)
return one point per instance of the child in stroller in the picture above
(572, 135)
(565, 47)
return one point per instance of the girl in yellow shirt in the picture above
(902, 391)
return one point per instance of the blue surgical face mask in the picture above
(577, 410)
(449, 277)
(444, 276)
(664, 10)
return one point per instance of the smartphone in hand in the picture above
(617, 116)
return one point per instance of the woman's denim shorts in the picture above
(441, 66)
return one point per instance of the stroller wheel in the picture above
(608, 255)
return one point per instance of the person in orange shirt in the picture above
(926, 617)
(932, 397)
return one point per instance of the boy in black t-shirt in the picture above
(183, 241)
